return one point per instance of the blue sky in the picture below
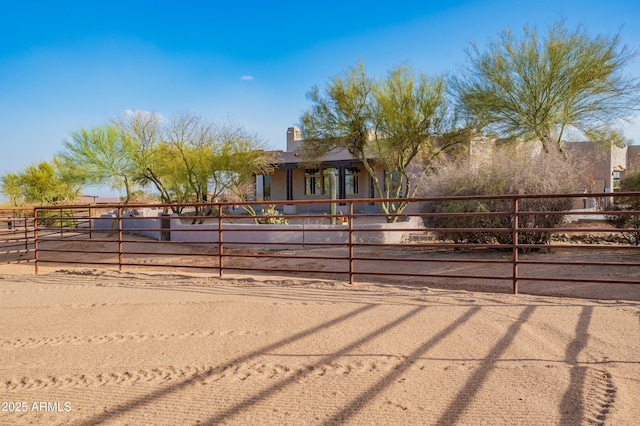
(65, 65)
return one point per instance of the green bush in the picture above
(274, 216)
(627, 220)
(498, 221)
(56, 219)
(460, 206)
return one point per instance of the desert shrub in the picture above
(627, 204)
(274, 217)
(537, 220)
(479, 221)
(508, 170)
(56, 219)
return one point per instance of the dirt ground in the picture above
(168, 341)
(89, 346)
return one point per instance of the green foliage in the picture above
(341, 116)
(537, 88)
(11, 188)
(56, 219)
(144, 129)
(240, 157)
(392, 122)
(498, 221)
(188, 159)
(627, 221)
(101, 155)
(40, 184)
(471, 206)
(274, 217)
(506, 171)
(631, 183)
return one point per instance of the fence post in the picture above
(351, 273)
(514, 234)
(119, 210)
(220, 236)
(35, 238)
(26, 232)
(165, 227)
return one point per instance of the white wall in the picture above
(259, 236)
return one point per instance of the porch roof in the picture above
(335, 156)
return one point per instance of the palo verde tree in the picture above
(168, 154)
(190, 141)
(188, 159)
(151, 160)
(239, 157)
(412, 128)
(44, 183)
(216, 160)
(11, 188)
(392, 122)
(539, 88)
(101, 155)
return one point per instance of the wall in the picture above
(259, 236)
(599, 164)
(633, 158)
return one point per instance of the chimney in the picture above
(293, 139)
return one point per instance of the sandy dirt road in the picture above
(103, 347)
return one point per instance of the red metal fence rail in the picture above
(16, 234)
(221, 238)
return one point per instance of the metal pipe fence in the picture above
(16, 234)
(434, 240)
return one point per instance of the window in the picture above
(266, 187)
(326, 190)
(393, 182)
(351, 180)
(311, 181)
(616, 181)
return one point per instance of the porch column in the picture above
(289, 182)
(342, 189)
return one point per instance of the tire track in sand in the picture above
(32, 342)
(600, 396)
(211, 374)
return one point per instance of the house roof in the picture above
(335, 156)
